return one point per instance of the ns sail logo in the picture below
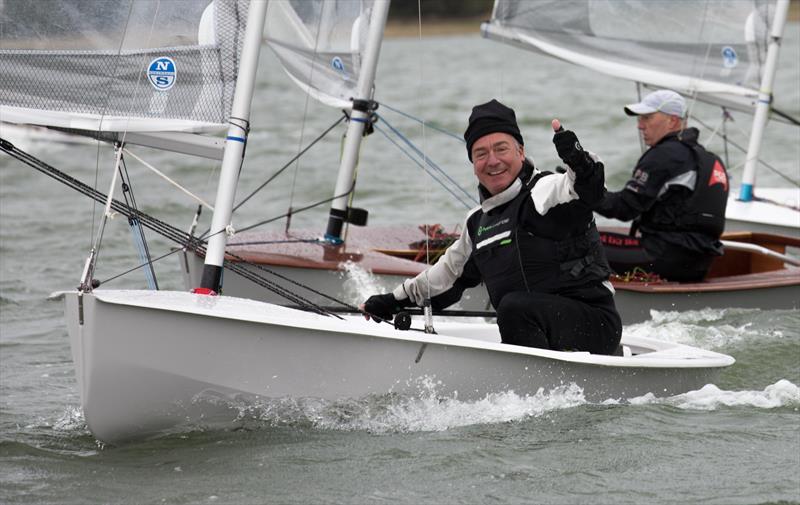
(162, 73)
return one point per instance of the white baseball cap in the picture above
(663, 100)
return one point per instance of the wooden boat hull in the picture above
(336, 271)
(737, 279)
(147, 361)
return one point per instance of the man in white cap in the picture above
(676, 197)
(532, 241)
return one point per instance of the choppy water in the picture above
(735, 441)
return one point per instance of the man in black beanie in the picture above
(532, 241)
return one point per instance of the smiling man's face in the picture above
(497, 159)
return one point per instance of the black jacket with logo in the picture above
(536, 235)
(677, 197)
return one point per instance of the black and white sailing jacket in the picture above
(536, 235)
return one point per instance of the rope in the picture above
(776, 203)
(638, 274)
(291, 211)
(169, 180)
(785, 116)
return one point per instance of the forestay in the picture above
(128, 65)
(710, 48)
(319, 44)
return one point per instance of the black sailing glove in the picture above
(571, 152)
(382, 307)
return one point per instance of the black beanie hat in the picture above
(491, 117)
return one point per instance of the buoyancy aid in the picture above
(513, 258)
(704, 210)
(706, 207)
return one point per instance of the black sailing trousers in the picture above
(556, 322)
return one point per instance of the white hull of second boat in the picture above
(776, 211)
(150, 360)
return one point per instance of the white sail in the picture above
(132, 65)
(718, 51)
(714, 49)
(319, 44)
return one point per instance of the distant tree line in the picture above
(438, 9)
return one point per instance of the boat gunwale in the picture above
(289, 317)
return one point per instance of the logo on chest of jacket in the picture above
(483, 229)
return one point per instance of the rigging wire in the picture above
(188, 242)
(458, 197)
(291, 211)
(761, 161)
(642, 146)
(103, 113)
(468, 202)
(295, 211)
(137, 267)
(137, 232)
(428, 315)
(725, 114)
(694, 92)
(95, 248)
(420, 153)
(288, 163)
(428, 123)
(312, 68)
(430, 163)
(725, 140)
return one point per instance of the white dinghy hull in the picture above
(147, 361)
(776, 211)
